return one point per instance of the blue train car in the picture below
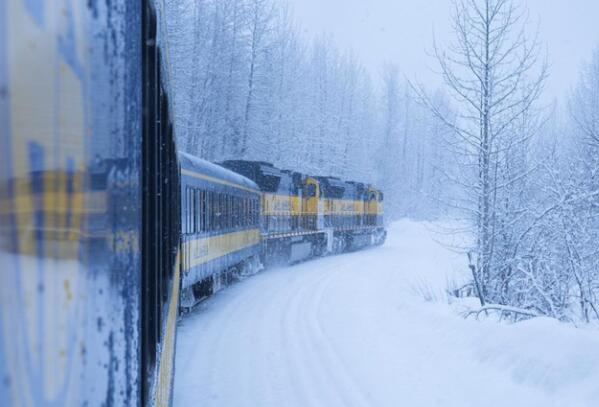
(220, 215)
(88, 285)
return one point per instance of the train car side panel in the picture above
(220, 234)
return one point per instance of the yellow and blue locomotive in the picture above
(304, 216)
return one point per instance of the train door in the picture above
(311, 203)
(160, 226)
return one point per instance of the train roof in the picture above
(206, 168)
(268, 177)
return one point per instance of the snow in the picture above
(355, 330)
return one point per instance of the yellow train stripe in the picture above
(204, 250)
(167, 356)
(204, 177)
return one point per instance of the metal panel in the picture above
(69, 199)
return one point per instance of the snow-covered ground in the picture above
(355, 330)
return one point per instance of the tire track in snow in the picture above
(330, 382)
(347, 385)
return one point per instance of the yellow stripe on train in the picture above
(204, 250)
(164, 389)
(291, 205)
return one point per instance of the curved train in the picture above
(241, 215)
(107, 231)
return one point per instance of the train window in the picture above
(227, 216)
(212, 207)
(195, 210)
(223, 205)
(208, 212)
(239, 211)
(202, 210)
(188, 211)
(229, 211)
(239, 216)
(214, 211)
(219, 211)
(242, 214)
(246, 211)
(233, 212)
(225, 211)
(191, 210)
(184, 222)
(224, 218)
(185, 213)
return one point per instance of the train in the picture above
(108, 231)
(240, 216)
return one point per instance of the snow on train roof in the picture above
(189, 162)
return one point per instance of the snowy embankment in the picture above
(354, 330)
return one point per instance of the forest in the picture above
(517, 174)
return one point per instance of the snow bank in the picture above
(354, 330)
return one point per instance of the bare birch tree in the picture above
(494, 75)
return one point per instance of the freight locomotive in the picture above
(107, 231)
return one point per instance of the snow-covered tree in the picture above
(494, 76)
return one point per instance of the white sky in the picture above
(401, 31)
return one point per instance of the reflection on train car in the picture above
(85, 317)
(106, 230)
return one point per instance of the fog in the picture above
(401, 32)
